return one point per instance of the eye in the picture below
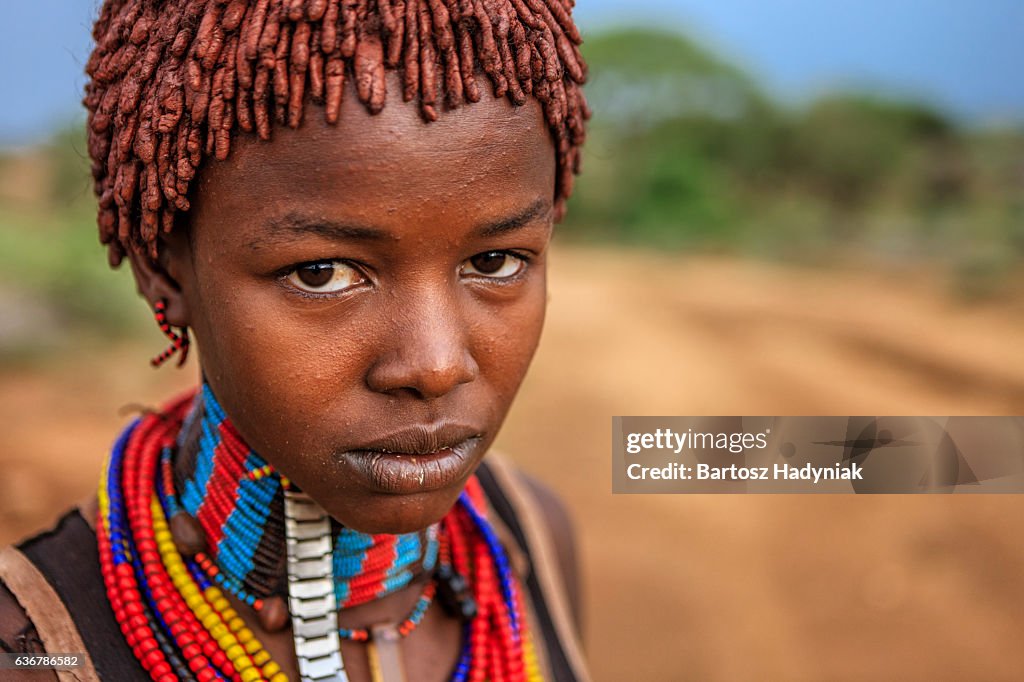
(494, 264)
(324, 277)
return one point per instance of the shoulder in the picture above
(37, 575)
(18, 633)
(550, 511)
(563, 536)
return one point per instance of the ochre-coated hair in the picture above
(171, 81)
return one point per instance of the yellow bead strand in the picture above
(533, 673)
(102, 499)
(213, 610)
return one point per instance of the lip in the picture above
(414, 460)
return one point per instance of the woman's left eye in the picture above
(324, 277)
(494, 264)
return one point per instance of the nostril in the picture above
(426, 380)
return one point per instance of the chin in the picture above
(395, 514)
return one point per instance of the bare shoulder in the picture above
(563, 535)
(18, 635)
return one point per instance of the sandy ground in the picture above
(696, 587)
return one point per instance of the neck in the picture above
(236, 498)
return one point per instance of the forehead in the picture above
(489, 153)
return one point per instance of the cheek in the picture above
(509, 339)
(275, 362)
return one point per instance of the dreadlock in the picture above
(172, 80)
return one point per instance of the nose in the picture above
(427, 354)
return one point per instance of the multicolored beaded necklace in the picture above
(181, 626)
(236, 498)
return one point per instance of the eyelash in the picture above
(525, 258)
(282, 275)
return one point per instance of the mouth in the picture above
(415, 460)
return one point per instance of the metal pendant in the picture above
(311, 602)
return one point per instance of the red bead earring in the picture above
(179, 342)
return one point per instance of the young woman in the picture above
(347, 205)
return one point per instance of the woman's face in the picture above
(367, 296)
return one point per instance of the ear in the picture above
(154, 282)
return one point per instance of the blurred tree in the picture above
(643, 76)
(686, 150)
(673, 124)
(847, 147)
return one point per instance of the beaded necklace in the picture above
(180, 625)
(236, 497)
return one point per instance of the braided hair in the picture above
(171, 81)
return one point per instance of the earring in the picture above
(178, 342)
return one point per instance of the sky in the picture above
(963, 55)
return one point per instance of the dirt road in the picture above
(697, 587)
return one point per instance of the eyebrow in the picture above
(514, 222)
(283, 229)
(291, 225)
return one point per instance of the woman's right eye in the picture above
(324, 277)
